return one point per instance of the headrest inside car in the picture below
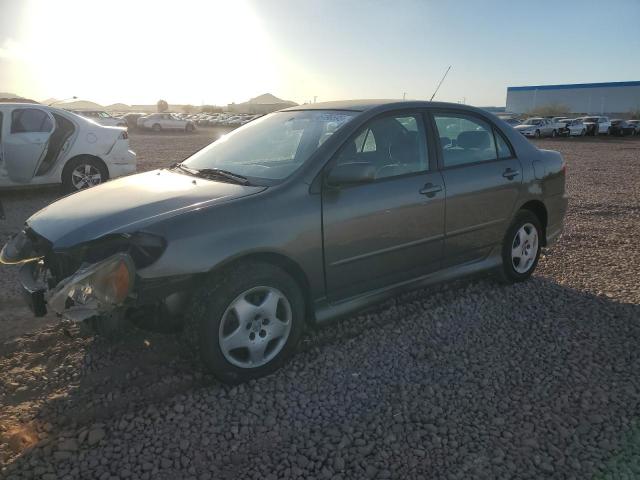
(473, 139)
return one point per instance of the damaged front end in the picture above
(88, 280)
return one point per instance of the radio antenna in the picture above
(442, 80)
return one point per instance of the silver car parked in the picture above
(538, 127)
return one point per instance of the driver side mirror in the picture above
(351, 174)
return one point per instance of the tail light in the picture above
(123, 135)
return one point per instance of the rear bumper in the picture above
(122, 163)
(557, 208)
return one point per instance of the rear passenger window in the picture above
(504, 149)
(27, 120)
(465, 139)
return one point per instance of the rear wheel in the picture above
(83, 172)
(554, 133)
(537, 134)
(246, 321)
(156, 127)
(521, 247)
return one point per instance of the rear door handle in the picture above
(510, 173)
(430, 190)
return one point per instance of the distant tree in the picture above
(188, 108)
(550, 110)
(210, 109)
(162, 105)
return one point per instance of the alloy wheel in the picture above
(85, 176)
(255, 327)
(524, 248)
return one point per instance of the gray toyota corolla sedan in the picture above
(297, 218)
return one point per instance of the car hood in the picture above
(128, 204)
(526, 127)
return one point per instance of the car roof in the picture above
(23, 104)
(369, 104)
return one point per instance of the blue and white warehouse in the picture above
(591, 98)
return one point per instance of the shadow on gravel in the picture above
(468, 380)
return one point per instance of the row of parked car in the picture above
(222, 119)
(574, 127)
(165, 121)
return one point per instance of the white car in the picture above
(576, 128)
(44, 145)
(165, 121)
(103, 118)
(597, 125)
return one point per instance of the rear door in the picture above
(390, 230)
(26, 138)
(483, 178)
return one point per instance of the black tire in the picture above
(537, 134)
(156, 127)
(554, 133)
(67, 181)
(583, 132)
(210, 302)
(507, 273)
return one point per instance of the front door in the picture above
(391, 229)
(25, 138)
(483, 179)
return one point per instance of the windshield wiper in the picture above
(213, 172)
(216, 172)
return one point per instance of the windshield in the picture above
(272, 147)
(591, 119)
(532, 121)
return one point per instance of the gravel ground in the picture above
(467, 380)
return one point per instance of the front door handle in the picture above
(510, 173)
(430, 190)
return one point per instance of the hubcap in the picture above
(255, 327)
(524, 248)
(84, 176)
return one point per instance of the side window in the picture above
(27, 120)
(365, 142)
(394, 145)
(464, 139)
(504, 149)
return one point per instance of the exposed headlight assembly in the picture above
(95, 288)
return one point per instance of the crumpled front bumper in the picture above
(67, 298)
(33, 291)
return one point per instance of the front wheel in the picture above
(554, 133)
(537, 134)
(246, 321)
(521, 247)
(156, 127)
(583, 132)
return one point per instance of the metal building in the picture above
(593, 98)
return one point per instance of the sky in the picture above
(218, 52)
